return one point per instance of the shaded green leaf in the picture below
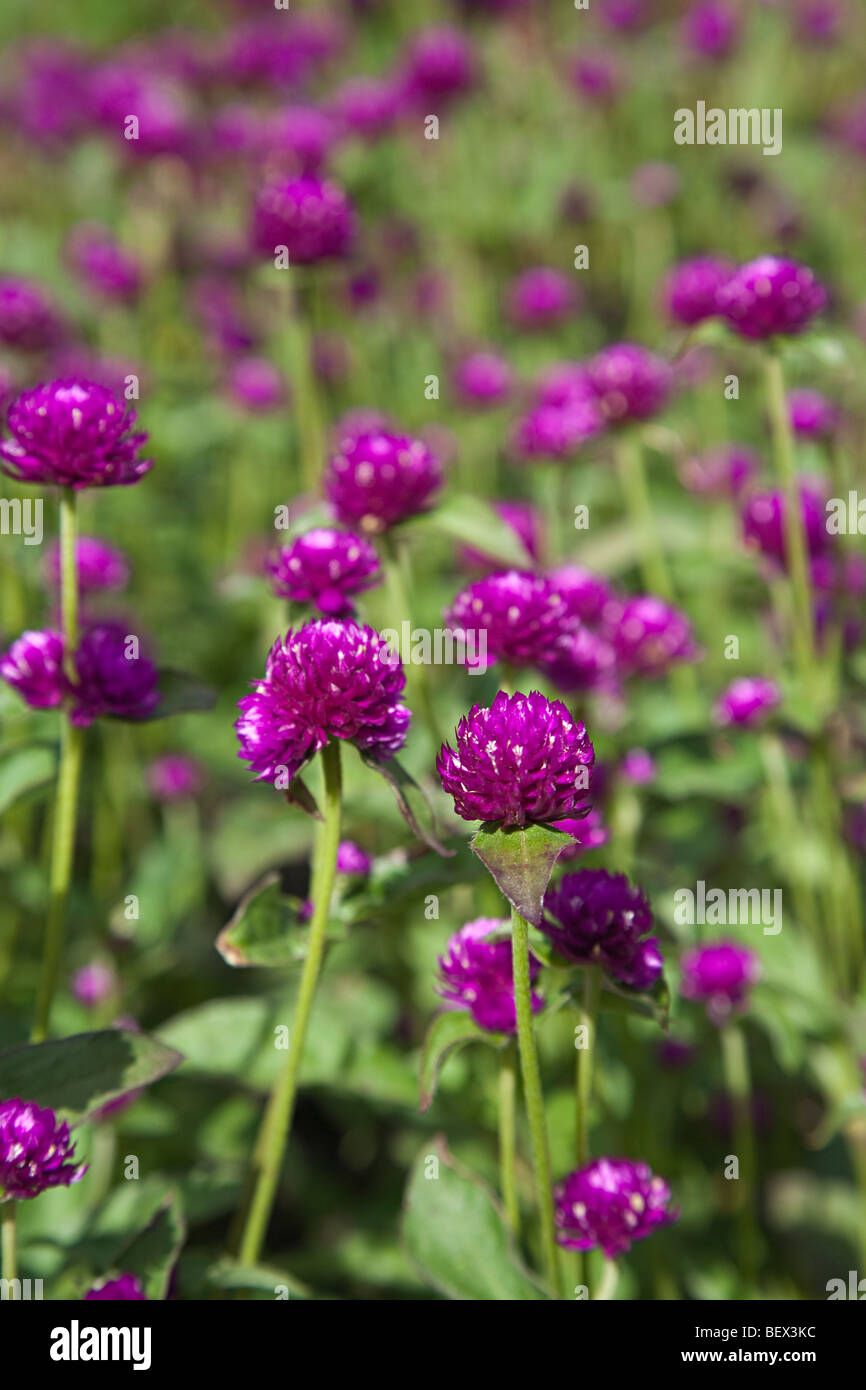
(266, 929)
(78, 1075)
(448, 1032)
(25, 768)
(521, 860)
(411, 800)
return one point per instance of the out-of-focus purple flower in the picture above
(368, 106)
(692, 288)
(770, 296)
(28, 319)
(521, 613)
(313, 218)
(33, 666)
(439, 64)
(301, 137)
(585, 594)
(75, 434)
(596, 77)
(49, 105)
(721, 975)
(557, 431)
(630, 383)
(818, 21)
(380, 479)
(483, 378)
(626, 15)
(35, 1151)
(99, 565)
(541, 298)
(610, 1203)
(588, 832)
(325, 568)
(580, 660)
(104, 266)
(648, 635)
(256, 384)
(763, 521)
(164, 122)
(216, 307)
(593, 917)
(93, 984)
(126, 1288)
(351, 859)
(475, 973)
(522, 759)
(521, 518)
(812, 415)
(638, 767)
(331, 358)
(112, 676)
(711, 29)
(654, 184)
(722, 472)
(174, 777)
(327, 680)
(747, 700)
(673, 1053)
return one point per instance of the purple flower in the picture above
(303, 136)
(379, 479)
(93, 984)
(638, 767)
(72, 433)
(541, 298)
(35, 1151)
(557, 431)
(770, 296)
(579, 660)
(812, 415)
(476, 974)
(711, 29)
(626, 15)
(325, 568)
(33, 666)
(747, 701)
(105, 267)
(720, 974)
(326, 680)
(174, 777)
(654, 184)
(648, 635)
(763, 521)
(722, 472)
(98, 564)
(126, 1288)
(610, 1203)
(519, 517)
(522, 759)
(692, 288)
(818, 21)
(256, 384)
(522, 615)
(590, 832)
(439, 64)
(483, 378)
(595, 76)
(311, 217)
(368, 106)
(112, 676)
(28, 320)
(351, 859)
(629, 382)
(595, 917)
(585, 594)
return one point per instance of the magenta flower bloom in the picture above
(126, 1288)
(747, 700)
(812, 415)
(104, 266)
(302, 137)
(648, 635)
(638, 767)
(326, 680)
(541, 298)
(325, 568)
(33, 666)
(483, 378)
(522, 759)
(476, 974)
(256, 384)
(110, 678)
(93, 984)
(770, 296)
(439, 65)
(720, 975)
(580, 660)
(626, 15)
(368, 106)
(35, 1151)
(818, 21)
(174, 777)
(557, 431)
(692, 288)
(311, 217)
(711, 29)
(654, 184)
(629, 382)
(28, 320)
(351, 859)
(585, 594)
(596, 77)
(722, 472)
(75, 434)
(763, 521)
(610, 1203)
(99, 565)
(379, 479)
(595, 917)
(521, 613)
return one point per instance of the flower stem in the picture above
(276, 1125)
(735, 1060)
(534, 1099)
(399, 585)
(311, 434)
(632, 471)
(608, 1281)
(586, 1057)
(802, 635)
(507, 1145)
(7, 1242)
(68, 777)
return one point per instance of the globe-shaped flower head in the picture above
(28, 320)
(747, 700)
(692, 288)
(763, 522)
(721, 975)
(523, 758)
(99, 565)
(73, 433)
(520, 614)
(325, 568)
(33, 666)
(35, 1151)
(476, 974)
(770, 296)
(326, 680)
(610, 1203)
(595, 917)
(380, 479)
(125, 1289)
(311, 217)
(648, 635)
(629, 382)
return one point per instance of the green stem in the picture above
(608, 1281)
(311, 433)
(633, 477)
(7, 1241)
(69, 578)
(274, 1134)
(586, 1057)
(795, 537)
(399, 585)
(735, 1060)
(507, 1140)
(534, 1098)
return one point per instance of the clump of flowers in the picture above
(629, 382)
(379, 479)
(770, 296)
(313, 218)
(72, 433)
(111, 677)
(36, 1151)
(595, 917)
(610, 1203)
(325, 568)
(692, 288)
(720, 975)
(476, 974)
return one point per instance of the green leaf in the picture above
(181, 693)
(472, 521)
(654, 1004)
(410, 799)
(521, 860)
(77, 1076)
(23, 769)
(266, 929)
(448, 1032)
(229, 1274)
(153, 1253)
(454, 1232)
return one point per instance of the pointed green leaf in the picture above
(23, 769)
(472, 521)
(266, 929)
(654, 1004)
(521, 860)
(77, 1076)
(448, 1032)
(411, 800)
(153, 1253)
